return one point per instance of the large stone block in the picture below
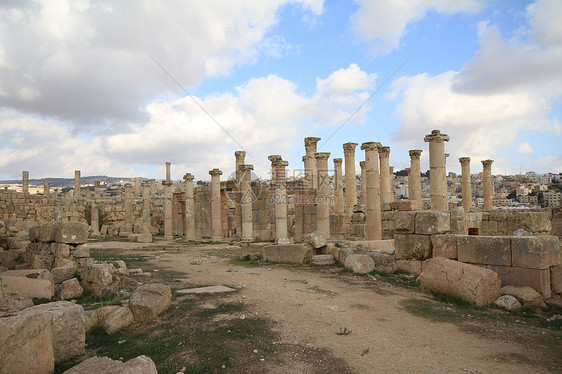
(149, 300)
(404, 222)
(539, 279)
(42, 262)
(60, 274)
(60, 250)
(72, 232)
(412, 247)
(98, 278)
(471, 283)
(556, 279)
(487, 250)
(444, 245)
(535, 222)
(81, 251)
(404, 205)
(535, 252)
(117, 320)
(138, 365)
(95, 317)
(288, 253)
(433, 222)
(26, 343)
(12, 301)
(30, 283)
(48, 232)
(70, 289)
(360, 263)
(316, 239)
(385, 261)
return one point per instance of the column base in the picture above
(283, 241)
(246, 240)
(217, 239)
(168, 237)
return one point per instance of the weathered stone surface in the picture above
(117, 320)
(323, 260)
(69, 336)
(42, 262)
(488, 250)
(471, 283)
(12, 243)
(288, 253)
(81, 250)
(340, 254)
(206, 289)
(30, 283)
(539, 279)
(404, 205)
(12, 301)
(404, 222)
(316, 239)
(70, 289)
(64, 262)
(556, 279)
(149, 300)
(432, 222)
(98, 278)
(444, 245)
(411, 246)
(84, 262)
(60, 274)
(144, 238)
(358, 217)
(526, 295)
(95, 317)
(60, 249)
(120, 267)
(72, 232)
(535, 252)
(385, 261)
(508, 302)
(48, 232)
(29, 334)
(360, 263)
(138, 365)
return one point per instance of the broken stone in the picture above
(60, 274)
(71, 232)
(316, 239)
(288, 253)
(508, 302)
(323, 260)
(81, 250)
(12, 301)
(385, 261)
(412, 247)
(360, 263)
(432, 222)
(98, 278)
(117, 320)
(95, 317)
(149, 300)
(207, 289)
(30, 283)
(138, 365)
(70, 289)
(527, 296)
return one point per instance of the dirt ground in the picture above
(309, 305)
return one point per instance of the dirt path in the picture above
(311, 305)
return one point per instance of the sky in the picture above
(120, 87)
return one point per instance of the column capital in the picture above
(168, 163)
(349, 148)
(384, 151)
(240, 155)
(128, 185)
(311, 141)
(215, 172)
(487, 163)
(436, 137)
(415, 154)
(362, 164)
(465, 161)
(274, 159)
(246, 167)
(188, 177)
(322, 155)
(145, 184)
(371, 146)
(167, 183)
(282, 163)
(338, 161)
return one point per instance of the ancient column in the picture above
(216, 205)
(384, 154)
(246, 200)
(168, 177)
(97, 189)
(410, 185)
(281, 204)
(300, 199)
(94, 220)
(153, 187)
(310, 145)
(128, 227)
(189, 219)
(391, 182)
(77, 183)
(415, 177)
(350, 177)
(46, 188)
(25, 182)
(465, 184)
(240, 158)
(437, 170)
(146, 207)
(137, 186)
(363, 183)
(339, 185)
(374, 223)
(323, 197)
(168, 224)
(487, 182)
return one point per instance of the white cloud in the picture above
(525, 148)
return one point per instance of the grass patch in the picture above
(89, 299)
(103, 239)
(237, 261)
(221, 309)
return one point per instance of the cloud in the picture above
(384, 22)
(525, 148)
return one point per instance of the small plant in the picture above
(344, 331)
(103, 216)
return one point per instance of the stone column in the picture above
(153, 187)
(410, 185)
(384, 154)
(94, 220)
(310, 174)
(46, 188)
(246, 200)
(350, 177)
(168, 177)
(189, 219)
(146, 207)
(437, 170)
(128, 227)
(363, 183)
(168, 224)
(374, 223)
(25, 182)
(281, 203)
(339, 185)
(300, 199)
(415, 177)
(216, 206)
(137, 186)
(77, 183)
(240, 159)
(391, 182)
(97, 189)
(465, 184)
(323, 197)
(487, 182)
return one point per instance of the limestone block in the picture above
(316, 239)
(72, 232)
(404, 205)
(508, 302)
(30, 283)
(98, 278)
(404, 222)
(95, 317)
(60, 274)
(70, 289)
(63, 262)
(60, 250)
(12, 301)
(144, 238)
(34, 233)
(535, 222)
(340, 253)
(489, 228)
(488, 250)
(138, 365)
(411, 246)
(556, 279)
(432, 222)
(84, 262)
(444, 245)
(149, 300)
(385, 261)
(28, 334)
(42, 262)
(535, 252)
(48, 232)
(69, 336)
(117, 320)
(120, 267)
(323, 260)
(539, 279)
(360, 263)
(288, 253)
(81, 250)
(468, 282)
(527, 296)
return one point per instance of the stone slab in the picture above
(487, 250)
(539, 279)
(432, 222)
(412, 247)
(30, 283)
(207, 289)
(444, 245)
(288, 253)
(535, 252)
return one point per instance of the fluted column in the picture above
(415, 179)
(168, 176)
(323, 197)
(465, 184)
(189, 223)
(384, 154)
(240, 159)
(25, 182)
(46, 188)
(487, 181)
(339, 185)
(77, 183)
(363, 183)
(374, 223)
(146, 207)
(350, 177)
(216, 206)
(168, 227)
(246, 200)
(437, 170)
(310, 145)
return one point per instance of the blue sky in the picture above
(79, 90)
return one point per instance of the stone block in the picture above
(360, 263)
(70, 289)
(81, 250)
(487, 250)
(138, 365)
(535, 222)
(149, 300)
(556, 279)
(323, 260)
(117, 320)
(508, 302)
(64, 262)
(471, 283)
(535, 252)
(98, 278)
(42, 262)
(144, 238)
(316, 239)
(288, 253)
(527, 296)
(432, 222)
(444, 245)
(72, 232)
(539, 279)
(60, 250)
(48, 231)
(95, 317)
(489, 228)
(411, 246)
(12, 301)
(385, 261)
(30, 283)
(60, 274)
(404, 222)
(404, 205)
